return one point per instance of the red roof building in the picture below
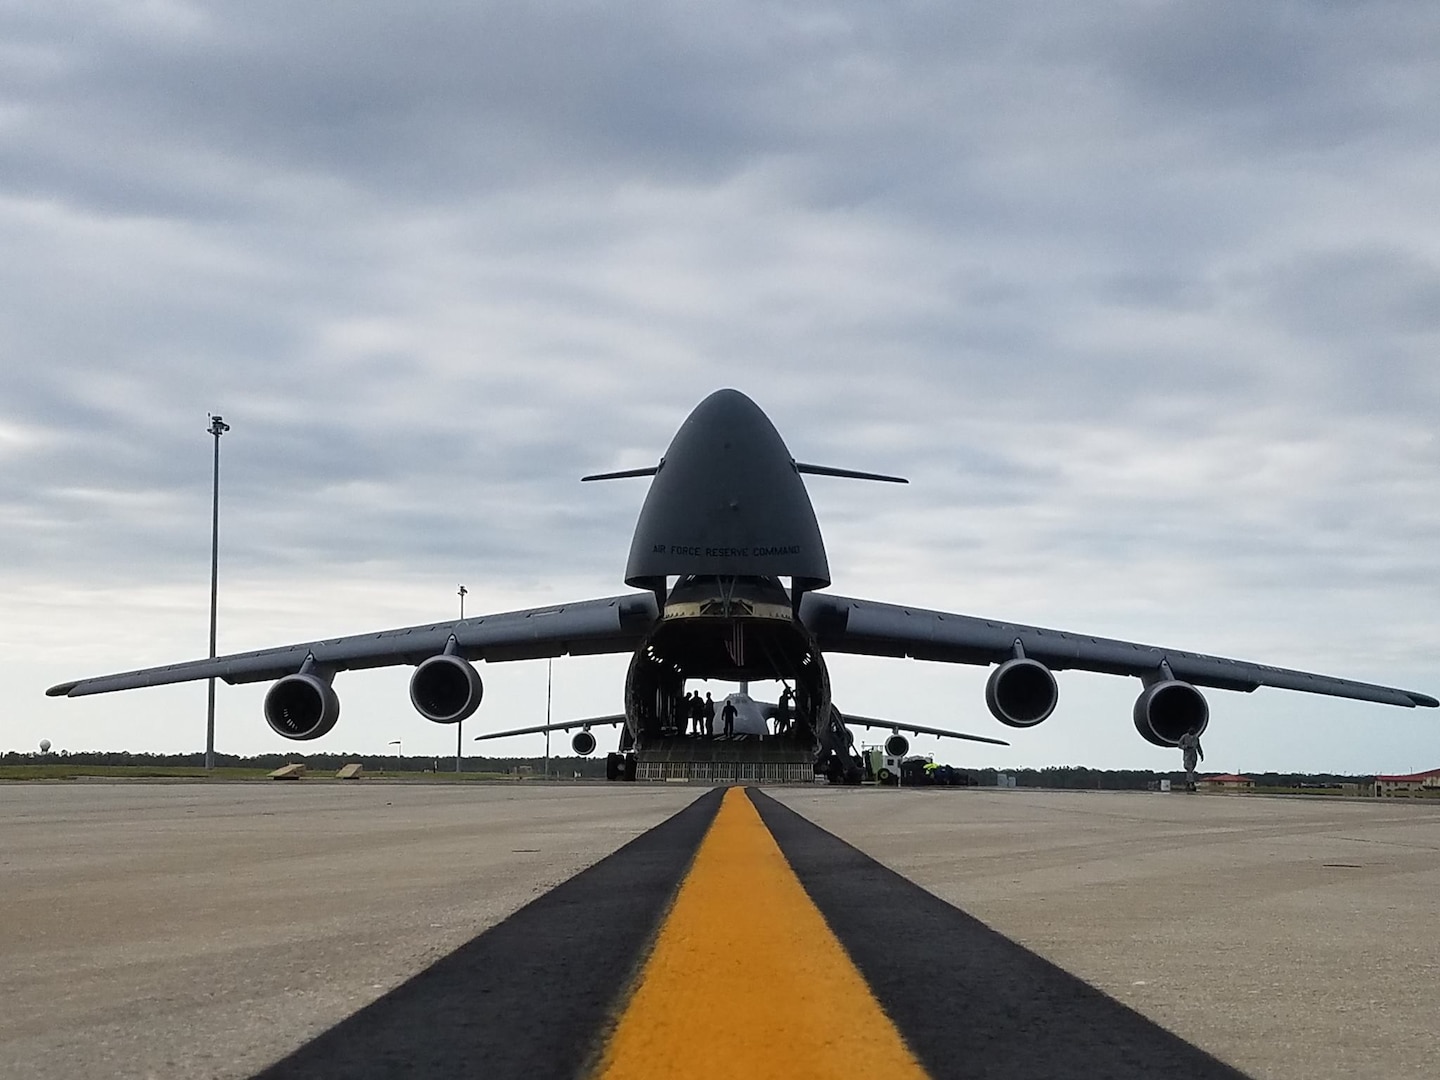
(1227, 782)
(1411, 785)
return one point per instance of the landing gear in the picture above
(621, 766)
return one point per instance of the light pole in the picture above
(549, 667)
(399, 755)
(459, 726)
(217, 428)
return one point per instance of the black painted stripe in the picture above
(532, 997)
(969, 1001)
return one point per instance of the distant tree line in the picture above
(317, 762)
(1078, 777)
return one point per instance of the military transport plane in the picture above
(726, 524)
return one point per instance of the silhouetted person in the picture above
(709, 708)
(728, 715)
(697, 714)
(782, 712)
(1190, 746)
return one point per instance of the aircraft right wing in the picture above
(846, 625)
(918, 729)
(564, 725)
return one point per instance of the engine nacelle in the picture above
(1021, 692)
(583, 743)
(1166, 710)
(897, 745)
(446, 689)
(302, 707)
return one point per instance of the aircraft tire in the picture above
(630, 768)
(612, 766)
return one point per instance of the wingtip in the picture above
(63, 690)
(1425, 701)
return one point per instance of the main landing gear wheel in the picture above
(613, 765)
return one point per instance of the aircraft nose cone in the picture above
(727, 501)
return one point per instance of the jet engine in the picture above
(1166, 710)
(1021, 692)
(446, 689)
(302, 707)
(897, 745)
(583, 743)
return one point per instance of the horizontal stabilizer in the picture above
(849, 474)
(622, 474)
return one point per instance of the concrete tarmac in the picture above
(209, 930)
(1291, 938)
(205, 930)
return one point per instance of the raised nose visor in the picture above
(727, 501)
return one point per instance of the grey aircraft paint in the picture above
(727, 522)
(727, 501)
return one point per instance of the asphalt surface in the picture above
(532, 997)
(406, 930)
(969, 1001)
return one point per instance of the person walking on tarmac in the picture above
(728, 715)
(1190, 746)
(697, 714)
(709, 711)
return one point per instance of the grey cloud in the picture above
(1141, 296)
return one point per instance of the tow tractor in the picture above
(912, 771)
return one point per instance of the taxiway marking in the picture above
(746, 979)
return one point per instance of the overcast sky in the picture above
(1143, 297)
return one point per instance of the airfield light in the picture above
(217, 428)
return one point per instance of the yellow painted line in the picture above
(746, 979)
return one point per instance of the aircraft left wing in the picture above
(610, 625)
(842, 624)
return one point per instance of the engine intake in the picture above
(1021, 692)
(583, 743)
(446, 689)
(897, 745)
(302, 707)
(1166, 710)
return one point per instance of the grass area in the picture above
(125, 772)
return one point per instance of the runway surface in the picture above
(624, 930)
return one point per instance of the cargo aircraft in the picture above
(731, 573)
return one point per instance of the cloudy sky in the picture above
(1144, 298)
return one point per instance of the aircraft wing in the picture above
(842, 624)
(611, 625)
(770, 709)
(918, 729)
(566, 725)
